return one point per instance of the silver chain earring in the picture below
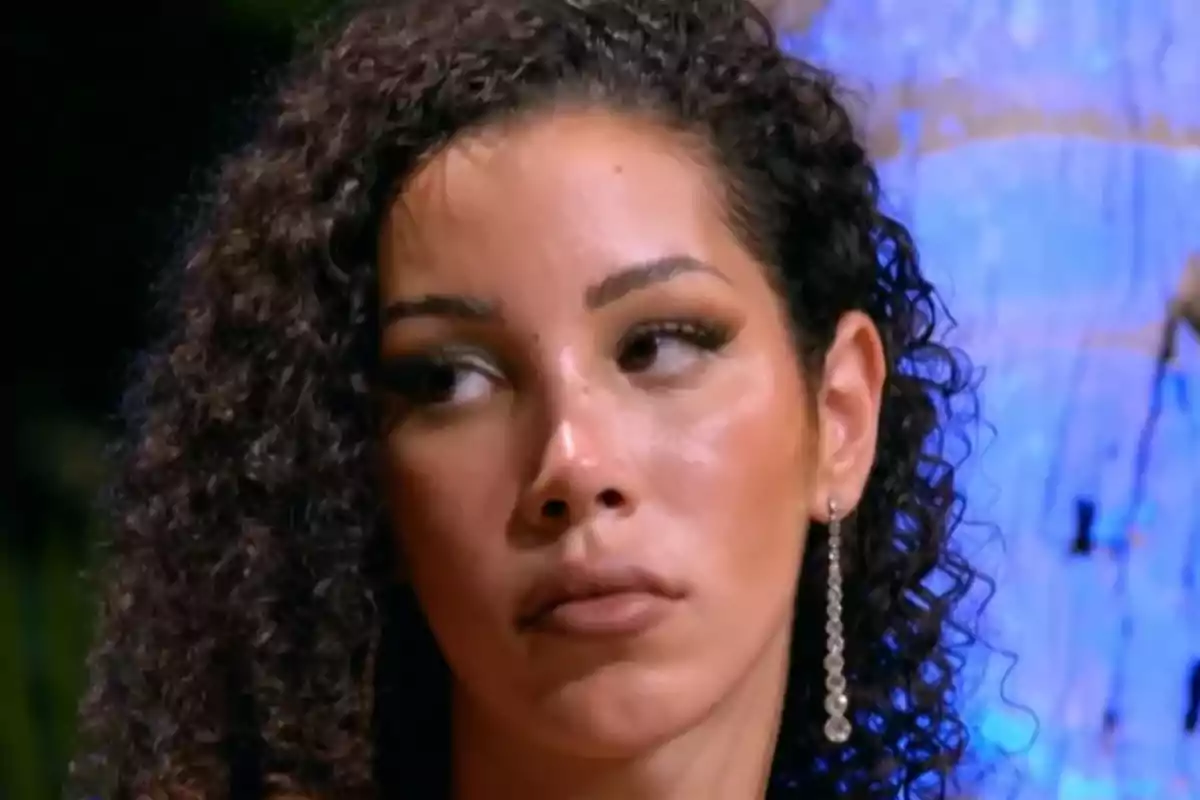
(837, 727)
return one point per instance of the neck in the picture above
(726, 756)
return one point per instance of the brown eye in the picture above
(639, 353)
(439, 380)
(433, 383)
(669, 348)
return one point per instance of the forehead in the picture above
(563, 193)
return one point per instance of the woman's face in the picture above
(600, 456)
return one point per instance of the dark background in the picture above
(113, 116)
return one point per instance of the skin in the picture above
(570, 431)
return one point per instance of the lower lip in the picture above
(622, 614)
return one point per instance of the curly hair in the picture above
(246, 586)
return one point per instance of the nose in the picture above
(583, 473)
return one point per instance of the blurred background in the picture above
(1047, 156)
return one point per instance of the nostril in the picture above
(558, 509)
(611, 498)
(554, 509)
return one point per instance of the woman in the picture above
(538, 416)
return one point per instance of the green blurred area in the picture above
(273, 14)
(45, 602)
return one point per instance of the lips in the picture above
(595, 599)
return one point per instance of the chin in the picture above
(623, 709)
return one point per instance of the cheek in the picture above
(730, 466)
(449, 516)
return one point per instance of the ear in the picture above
(848, 404)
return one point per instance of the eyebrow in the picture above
(631, 278)
(439, 305)
(645, 274)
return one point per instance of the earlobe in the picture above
(848, 407)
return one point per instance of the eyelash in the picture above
(407, 376)
(704, 334)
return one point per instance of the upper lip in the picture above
(571, 581)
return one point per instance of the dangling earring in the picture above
(837, 727)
